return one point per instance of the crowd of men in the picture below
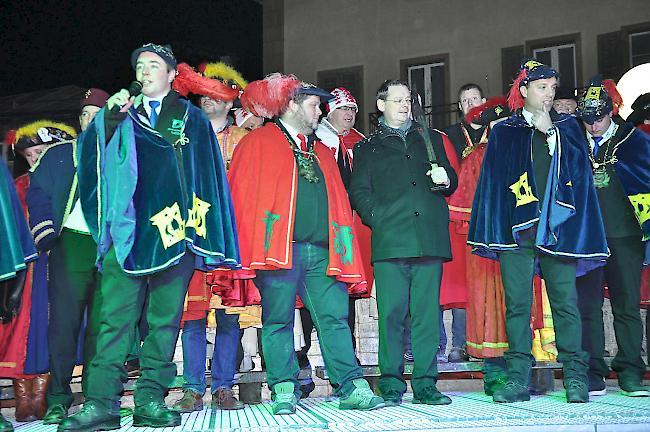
(171, 204)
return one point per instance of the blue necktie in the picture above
(597, 141)
(153, 117)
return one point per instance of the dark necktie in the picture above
(153, 117)
(597, 141)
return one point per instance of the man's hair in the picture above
(469, 86)
(382, 91)
(300, 98)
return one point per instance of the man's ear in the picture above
(524, 91)
(381, 105)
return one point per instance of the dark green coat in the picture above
(391, 192)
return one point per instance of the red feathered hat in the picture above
(530, 70)
(494, 109)
(270, 97)
(189, 81)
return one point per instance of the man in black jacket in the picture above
(397, 187)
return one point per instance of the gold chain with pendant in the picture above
(599, 168)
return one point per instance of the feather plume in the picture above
(270, 97)
(515, 99)
(189, 81)
(223, 72)
(612, 91)
(10, 137)
(476, 112)
(31, 129)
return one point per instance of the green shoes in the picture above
(633, 388)
(284, 399)
(92, 417)
(577, 391)
(511, 392)
(362, 398)
(155, 414)
(392, 398)
(55, 414)
(430, 396)
(5, 425)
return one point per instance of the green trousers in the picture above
(517, 271)
(623, 276)
(73, 278)
(116, 309)
(408, 285)
(327, 302)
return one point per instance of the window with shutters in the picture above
(430, 77)
(562, 53)
(639, 44)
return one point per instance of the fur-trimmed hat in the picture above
(598, 100)
(189, 81)
(42, 132)
(530, 70)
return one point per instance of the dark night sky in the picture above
(46, 44)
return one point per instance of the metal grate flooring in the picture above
(470, 411)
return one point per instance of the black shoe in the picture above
(5, 425)
(306, 389)
(458, 355)
(577, 391)
(55, 414)
(597, 386)
(92, 417)
(392, 398)
(430, 396)
(155, 414)
(511, 392)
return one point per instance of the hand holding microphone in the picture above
(122, 100)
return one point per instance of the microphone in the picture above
(135, 88)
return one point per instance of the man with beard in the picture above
(400, 178)
(530, 207)
(154, 194)
(620, 162)
(297, 238)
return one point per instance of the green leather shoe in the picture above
(492, 385)
(55, 414)
(284, 399)
(577, 391)
(511, 392)
(5, 425)
(430, 396)
(632, 387)
(92, 417)
(155, 414)
(392, 398)
(362, 398)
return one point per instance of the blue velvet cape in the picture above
(138, 198)
(16, 242)
(569, 223)
(633, 171)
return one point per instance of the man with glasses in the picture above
(400, 178)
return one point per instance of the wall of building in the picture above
(377, 34)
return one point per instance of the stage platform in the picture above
(470, 411)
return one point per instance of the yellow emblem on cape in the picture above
(196, 216)
(522, 190)
(569, 183)
(641, 204)
(171, 225)
(498, 110)
(593, 93)
(531, 64)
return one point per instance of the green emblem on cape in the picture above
(343, 242)
(269, 220)
(177, 127)
(601, 178)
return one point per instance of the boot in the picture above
(23, 398)
(5, 425)
(39, 388)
